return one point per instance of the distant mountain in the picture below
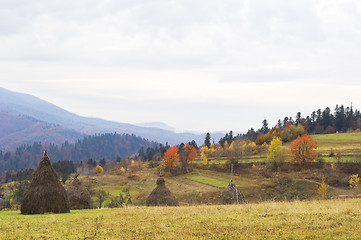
(17, 130)
(25, 118)
(159, 125)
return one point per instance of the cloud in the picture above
(200, 56)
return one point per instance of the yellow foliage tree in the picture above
(122, 170)
(204, 149)
(275, 150)
(323, 190)
(219, 151)
(204, 159)
(98, 169)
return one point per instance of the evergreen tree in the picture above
(326, 118)
(264, 128)
(298, 118)
(285, 121)
(251, 135)
(340, 117)
(207, 140)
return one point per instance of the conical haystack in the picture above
(161, 196)
(79, 196)
(45, 193)
(231, 195)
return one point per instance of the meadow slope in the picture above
(329, 219)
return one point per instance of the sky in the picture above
(195, 65)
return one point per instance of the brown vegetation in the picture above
(161, 196)
(79, 196)
(231, 195)
(45, 193)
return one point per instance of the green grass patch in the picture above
(207, 180)
(346, 143)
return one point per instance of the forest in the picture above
(108, 146)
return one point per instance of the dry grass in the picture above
(332, 219)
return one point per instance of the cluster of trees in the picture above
(185, 154)
(236, 150)
(286, 133)
(343, 119)
(109, 146)
(319, 122)
(302, 150)
(153, 153)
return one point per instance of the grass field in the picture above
(346, 143)
(330, 219)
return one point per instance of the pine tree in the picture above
(207, 140)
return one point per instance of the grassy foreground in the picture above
(331, 219)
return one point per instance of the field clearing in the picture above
(330, 219)
(346, 143)
(209, 181)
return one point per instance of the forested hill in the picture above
(108, 146)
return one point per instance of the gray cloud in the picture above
(136, 47)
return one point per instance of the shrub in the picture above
(98, 169)
(354, 180)
(323, 190)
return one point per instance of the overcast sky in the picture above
(195, 65)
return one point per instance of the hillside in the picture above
(19, 111)
(259, 183)
(16, 130)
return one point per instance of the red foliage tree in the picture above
(303, 149)
(191, 152)
(171, 157)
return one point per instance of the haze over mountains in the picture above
(25, 119)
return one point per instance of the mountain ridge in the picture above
(60, 124)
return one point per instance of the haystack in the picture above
(231, 195)
(79, 196)
(45, 193)
(161, 196)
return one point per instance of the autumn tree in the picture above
(323, 191)
(276, 152)
(191, 152)
(171, 157)
(303, 149)
(98, 169)
(204, 159)
(187, 154)
(235, 150)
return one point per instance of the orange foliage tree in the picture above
(171, 157)
(303, 149)
(191, 152)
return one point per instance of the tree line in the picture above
(343, 119)
(110, 146)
